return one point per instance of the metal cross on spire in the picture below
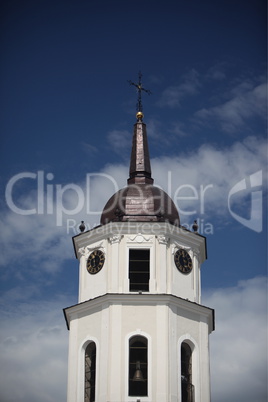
(139, 90)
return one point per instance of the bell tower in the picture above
(139, 331)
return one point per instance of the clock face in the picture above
(95, 262)
(183, 261)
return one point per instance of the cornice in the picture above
(175, 233)
(138, 299)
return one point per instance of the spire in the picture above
(140, 200)
(140, 166)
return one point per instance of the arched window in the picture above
(90, 372)
(138, 366)
(187, 388)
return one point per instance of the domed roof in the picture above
(140, 200)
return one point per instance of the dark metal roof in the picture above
(140, 165)
(140, 200)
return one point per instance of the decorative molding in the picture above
(115, 239)
(85, 251)
(177, 246)
(139, 238)
(162, 239)
(82, 251)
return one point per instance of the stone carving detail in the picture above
(115, 239)
(139, 238)
(85, 251)
(176, 246)
(82, 251)
(162, 239)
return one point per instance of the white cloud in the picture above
(210, 168)
(173, 95)
(89, 148)
(217, 72)
(173, 130)
(38, 239)
(34, 238)
(177, 128)
(245, 102)
(33, 349)
(44, 238)
(239, 344)
(119, 141)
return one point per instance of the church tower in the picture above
(139, 331)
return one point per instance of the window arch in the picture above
(138, 366)
(187, 388)
(90, 372)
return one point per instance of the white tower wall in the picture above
(109, 314)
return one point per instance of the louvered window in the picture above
(139, 270)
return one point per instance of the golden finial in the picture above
(139, 116)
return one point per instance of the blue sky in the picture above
(67, 112)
